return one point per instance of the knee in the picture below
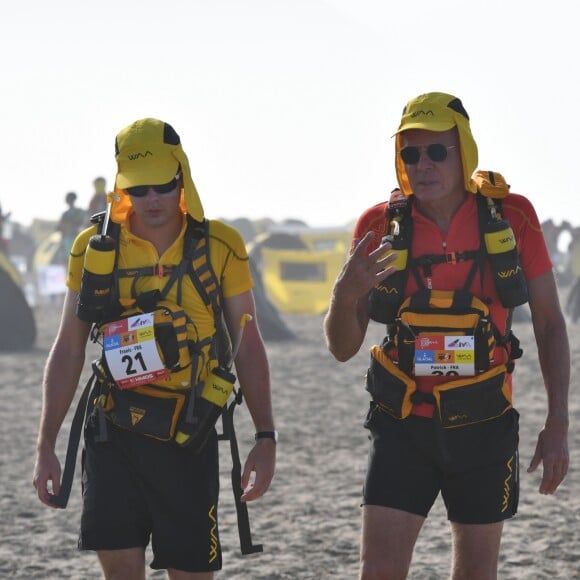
(123, 572)
(383, 569)
(122, 565)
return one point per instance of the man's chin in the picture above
(428, 190)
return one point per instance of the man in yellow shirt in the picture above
(138, 488)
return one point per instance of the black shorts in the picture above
(475, 467)
(136, 488)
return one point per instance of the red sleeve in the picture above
(525, 224)
(373, 219)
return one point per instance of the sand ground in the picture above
(309, 521)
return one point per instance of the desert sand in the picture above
(309, 521)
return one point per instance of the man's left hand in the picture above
(260, 463)
(552, 451)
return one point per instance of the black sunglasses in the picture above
(437, 152)
(141, 190)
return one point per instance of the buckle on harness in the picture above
(160, 270)
(451, 258)
(418, 397)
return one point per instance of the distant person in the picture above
(71, 222)
(551, 234)
(4, 217)
(573, 301)
(441, 427)
(98, 201)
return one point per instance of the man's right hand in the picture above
(347, 318)
(47, 469)
(362, 271)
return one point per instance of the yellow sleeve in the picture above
(229, 259)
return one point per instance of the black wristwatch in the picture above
(267, 435)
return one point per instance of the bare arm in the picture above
(254, 378)
(554, 356)
(61, 376)
(346, 322)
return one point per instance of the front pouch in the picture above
(390, 387)
(473, 399)
(429, 314)
(146, 410)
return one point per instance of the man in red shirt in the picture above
(436, 430)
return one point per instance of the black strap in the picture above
(206, 282)
(74, 438)
(246, 545)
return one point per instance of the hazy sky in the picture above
(285, 107)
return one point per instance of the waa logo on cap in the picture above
(419, 113)
(135, 156)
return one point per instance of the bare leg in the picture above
(126, 564)
(180, 575)
(388, 539)
(475, 551)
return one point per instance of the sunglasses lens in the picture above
(166, 187)
(410, 155)
(141, 190)
(437, 152)
(138, 190)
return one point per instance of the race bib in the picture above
(444, 355)
(131, 351)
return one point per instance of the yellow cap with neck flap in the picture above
(437, 112)
(149, 152)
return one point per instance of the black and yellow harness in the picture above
(173, 406)
(448, 333)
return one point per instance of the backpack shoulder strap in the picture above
(199, 268)
(490, 208)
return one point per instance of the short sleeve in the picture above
(229, 259)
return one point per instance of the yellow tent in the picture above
(49, 251)
(300, 281)
(299, 265)
(7, 266)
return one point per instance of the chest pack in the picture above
(156, 371)
(161, 332)
(447, 333)
(157, 376)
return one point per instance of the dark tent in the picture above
(16, 316)
(272, 326)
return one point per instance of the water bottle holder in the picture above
(385, 299)
(509, 279)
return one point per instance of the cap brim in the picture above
(147, 175)
(429, 126)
